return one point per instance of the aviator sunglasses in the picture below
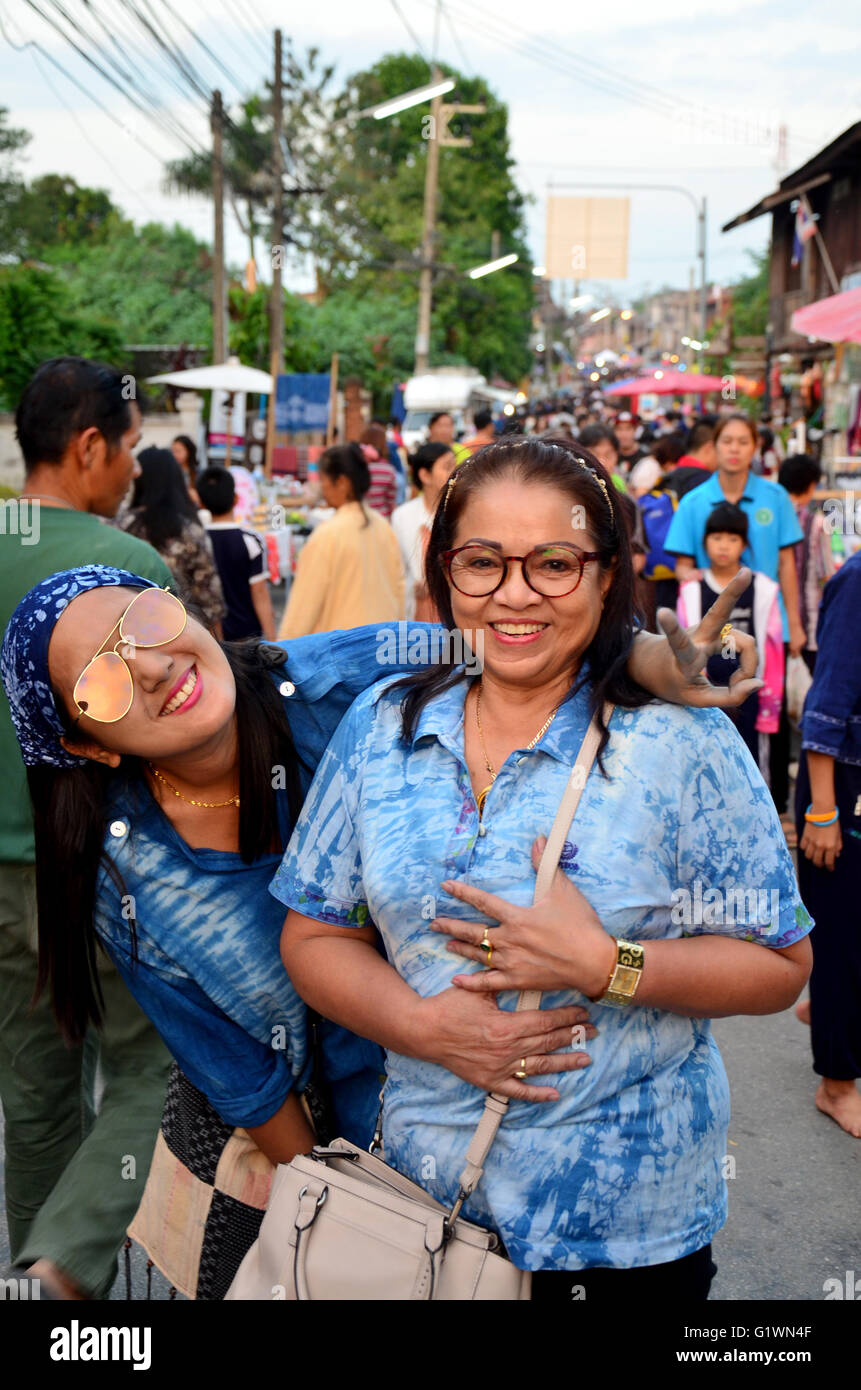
(104, 690)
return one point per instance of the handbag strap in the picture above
(496, 1106)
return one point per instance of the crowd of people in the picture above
(254, 879)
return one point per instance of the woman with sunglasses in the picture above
(426, 818)
(167, 772)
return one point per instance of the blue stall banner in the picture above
(398, 409)
(302, 402)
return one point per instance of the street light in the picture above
(539, 270)
(490, 266)
(599, 314)
(408, 99)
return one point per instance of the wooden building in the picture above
(831, 182)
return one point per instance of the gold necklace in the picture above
(482, 795)
(210, 805)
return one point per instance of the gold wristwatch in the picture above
(625, 979)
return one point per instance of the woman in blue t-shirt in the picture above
(167, 771)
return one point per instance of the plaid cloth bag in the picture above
(205, 1196)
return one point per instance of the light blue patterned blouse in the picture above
(625, 1169)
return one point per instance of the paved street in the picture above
(794, 1199)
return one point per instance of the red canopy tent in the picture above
(834, 320)
(668, 383)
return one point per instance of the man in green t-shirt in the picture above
(74, 1177)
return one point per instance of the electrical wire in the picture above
(99, 151)
(525, 43)
(460, 48)
(170, 121)
(250, 35)
(240, 86)
(33, 43)
(175, 129)
(412, 33)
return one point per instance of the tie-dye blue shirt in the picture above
(209, 972)
(626, 1168)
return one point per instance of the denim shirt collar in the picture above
(442, 718)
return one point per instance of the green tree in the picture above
(38, 319)
(153, 282)
(369, 230)
(248, 156)
(54, 209)
(750, 298)
(249, 330)
(12, 142)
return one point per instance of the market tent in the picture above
(224, 376)
(836, 319)
(230, 376)
(667, 383)
(620, 388)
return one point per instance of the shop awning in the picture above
(666, 382)
(835, 320)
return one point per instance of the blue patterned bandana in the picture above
(24, 659)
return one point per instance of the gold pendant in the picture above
(480, 800)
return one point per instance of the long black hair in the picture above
(557, 463)
(191, 467)
(160, 499)
(70, 817)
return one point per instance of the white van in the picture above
(443, 388)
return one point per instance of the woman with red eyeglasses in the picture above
(167, 771)
(425, 824)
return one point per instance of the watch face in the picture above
(624, 980)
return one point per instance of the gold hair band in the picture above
(581, 462)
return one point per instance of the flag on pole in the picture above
(805, 228)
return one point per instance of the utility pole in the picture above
(276, 301)
(701, 252)
(440, 115)
(429, 224)
(219, 301)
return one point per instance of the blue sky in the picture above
(712, 86)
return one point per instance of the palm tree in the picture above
(248, 162)
(247, 171)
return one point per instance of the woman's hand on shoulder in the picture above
(673, 667)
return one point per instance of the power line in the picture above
(177, 133)
(412, 33)
(169, 121)
(33, 43)
(460, 48)
(502, 33)
(240, 86)
(250, 35)
(99, 151)
(589, 70)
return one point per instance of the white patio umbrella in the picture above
(230, 376)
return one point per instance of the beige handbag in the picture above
(342, 1225)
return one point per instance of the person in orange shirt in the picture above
(349, 571)
(485, 431)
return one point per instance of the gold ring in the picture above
(486, 946)
(521, 1075)
(725, 631)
